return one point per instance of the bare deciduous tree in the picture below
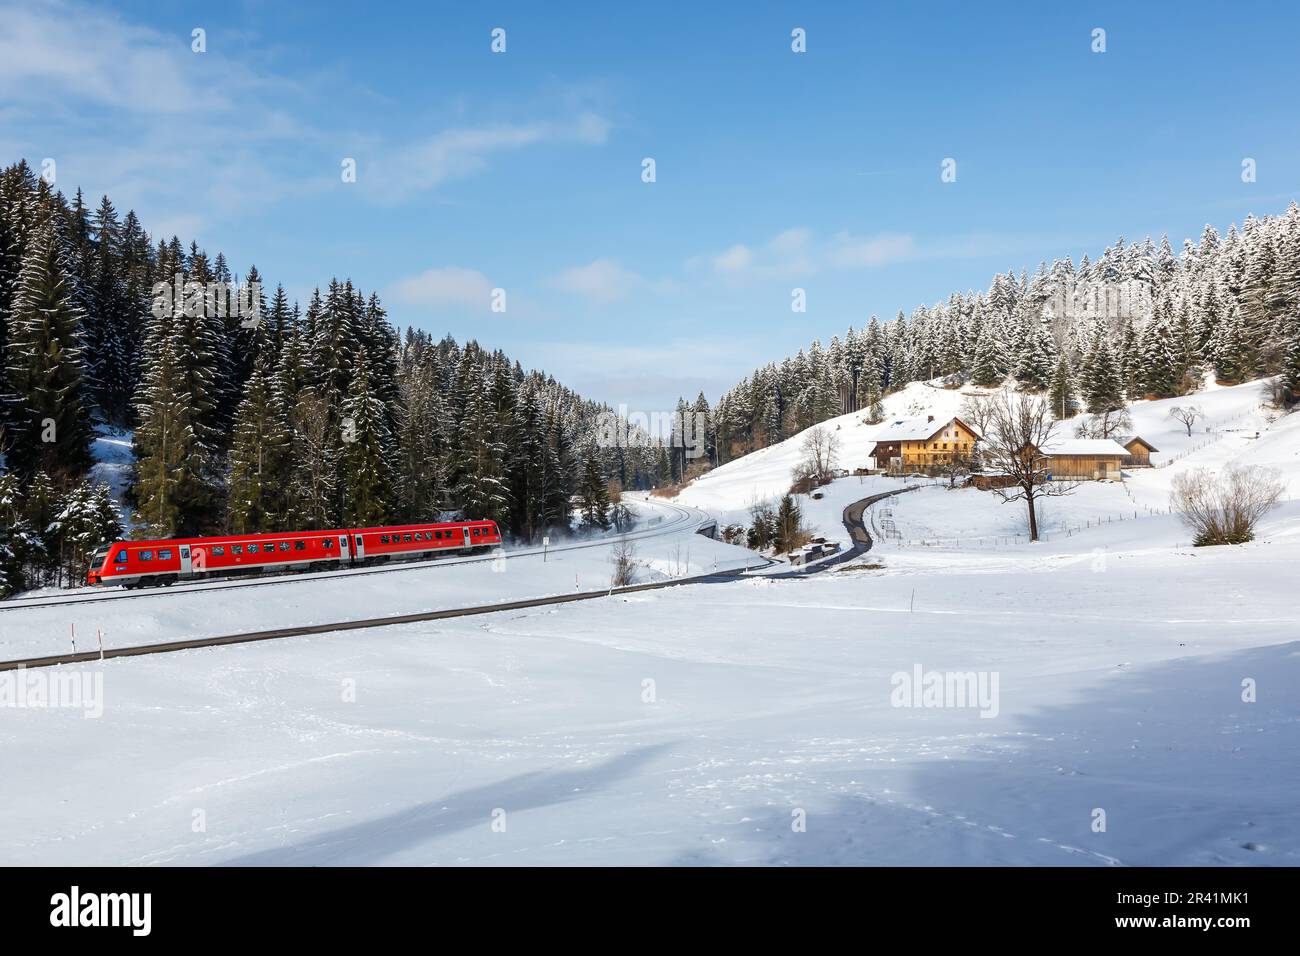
(977, 410)
(954, 468)
(1020, 427)
(623, 557)
(1224, 509)
(821, 451)
(1106, 424)
(1187, 414)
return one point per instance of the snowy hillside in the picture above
(1236, 428)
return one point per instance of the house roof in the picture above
(917, 429)
(1127, 440)
(1093, 447)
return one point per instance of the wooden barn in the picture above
(1085, 459)
(915, 444)
(1139, 451)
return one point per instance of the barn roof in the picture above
(917, 429)
(1093, 447)
(1127, 440)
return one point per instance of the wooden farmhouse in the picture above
(920, 443)
(1139, 451)
(1085, 459)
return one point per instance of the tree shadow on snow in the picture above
(369, 842)
(1186, 772)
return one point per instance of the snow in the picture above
(1135, 676)
(153, 616)
(1084, 446)
(693, 725)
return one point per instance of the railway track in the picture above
(680, 519)
(168, 647)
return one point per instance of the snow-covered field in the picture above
(1132, 700)
(153, 616)
(701, 724)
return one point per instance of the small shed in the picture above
(1139, 451)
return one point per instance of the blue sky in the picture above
(775, 170)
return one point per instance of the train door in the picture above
(187, 566)
(344, 550)
(465, 532)
(361, 546)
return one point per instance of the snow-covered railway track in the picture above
(678, 520)
(167, 647)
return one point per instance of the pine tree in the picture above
(259, 458)
(593, 493)
(1039, 358)
(789, 525)
(1061, 391)
(48, 423)
(1102, 387)
(985, 370)
(367, 474)
(171, 490)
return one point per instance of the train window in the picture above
(218, 551)
(236, 549)
(299, 546)
(146, 555)
(284, 545)
(406, 537)
(476, 532)
(438, 535)
(329, 543)
(383, 539)
(165, 554)
(252, 549)
(120, 557)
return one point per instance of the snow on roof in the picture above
(1126, 440)
(910, 429)
(1085, 446)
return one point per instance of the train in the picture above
(133, 564)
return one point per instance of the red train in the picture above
(147, 563)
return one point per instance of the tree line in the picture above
(261, 418)
(1139, 322)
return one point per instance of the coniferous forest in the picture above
(1140, 321)
(324, 415)
(286, 416)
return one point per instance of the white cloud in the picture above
(850, 252)
(736, 259)
(457, 153)
(602, 281)
(795, 253)
(446, 286)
